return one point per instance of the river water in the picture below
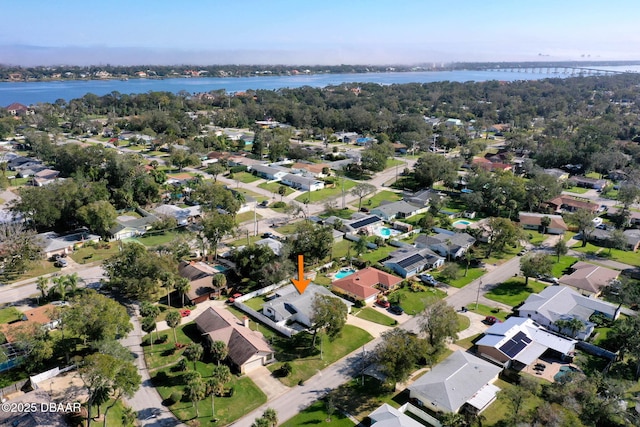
(30, 93)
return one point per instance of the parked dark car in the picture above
(396, 309)
(490, 320)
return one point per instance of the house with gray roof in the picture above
(462, 379)
(273, 244)
(132, 226)
(53, 243)
(302, 183)
(362, 223)
(446, 243)
(563, 303)
(268, 172)
(247, 349)
(388, 416)
(423, 197)
(400, 209)
(290, 306)
(518, 342)
(409, 261)
(603, 238)
(182, 215)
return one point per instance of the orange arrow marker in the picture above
(300, 283)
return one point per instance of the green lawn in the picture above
(340, 248)
(166, 354)
(463, 322)
(395, 162)
(559, 267)
(498, 413)
(345, 213)
(415, 302)
(9, 314)
(376, 316)
(247, 216)
(468, 342)
(245, 177)
(325, 193)
(286, 229)
(472, 274)
(485, 310)
(92, 253)
(259, 197)
(384, 195)
(151, 239)
(577, 190)
(274, 186)
(316, 414)
(35, 269)
(535, 237)
(625, 257)
(243, 241)
(306, 361)
(376, 255)
(514, 292)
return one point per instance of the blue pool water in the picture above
(220, 268)
(385, 232)
(461, 222)
(345, 272)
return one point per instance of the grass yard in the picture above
(376, 316)
(259, 197)
(498, 413)
(246, 396)
(247, 216)
(326, 193)
(576, 190)
(469, 342)
(514, 292)
(472, 274)
(559, 267)
(485, 310)
(415, 302)
(345, 213)
(384, 195)
(625, 257)
(243, 241)
(35, 269)
(376, 255)
(535, 237)
(287, 229)
(463, 322)
(317, 414)
(245, 177)
(91, 253)
(152, 239)
(306, 361)
(395, 162)
(274, 186)
(9, 314)
(166, 354)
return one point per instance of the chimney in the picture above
(245, 322)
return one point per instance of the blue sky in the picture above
(315, 32)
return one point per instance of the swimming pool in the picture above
(220, 268)
(386, 232)
(461, 223)
(564, 370)
(344, 272)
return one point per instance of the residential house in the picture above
(391, 210)
(603, 238)
(44, 177)
(346, 137)
(584, 182)
(39, 398)
(248, 162)
(200, 277)
(448, 244)
(453, 122)
(409, 261)
(14, 162)
(302, 183)
(533, 221)
(634, 216)
(290, 306)
(388, 416)
(46, 315)
(366, 284)
(563, 303)
(558, 174)
(273, 244)
(53, 243)
(315, 170)
(564, 203)
(269, 172)
(247, 349)
(589, 278)
(363, 224)
(132, 226)
(17, 109)
(9, 217)
(461, 380)
(183, 216)
(518, 342)
(422, 197)
(489, 165)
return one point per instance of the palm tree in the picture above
(128, 416)
(173, 320)
(219, 351)
(148, 325)
(545, 222)
(560, 248)
(42, 284)
(219, 281)
(60, 287)
(71, 282)
(193, 353)
(360, 246)
(195, 390)
(169, 285)
(183, 285)
(271, 416)
(574, 325)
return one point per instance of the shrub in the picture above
(175, 397)
(181, 365)
(236, 169)
(278, 205)
(360, 303)
(286, 369)
(162, 339)
(231, 391)
(145, 341)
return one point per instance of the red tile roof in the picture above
(362, 283)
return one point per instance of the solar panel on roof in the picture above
(411, 260)
(366, 221)
(515, 345)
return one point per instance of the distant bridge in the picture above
(563, 70)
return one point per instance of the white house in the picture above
(302, 183)
(461, 379)
(446, 243)
(400, 209)
(269, 172)
(563, 303)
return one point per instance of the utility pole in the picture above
(478, 296)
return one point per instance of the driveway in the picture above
(146, 402)
(265, 380)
